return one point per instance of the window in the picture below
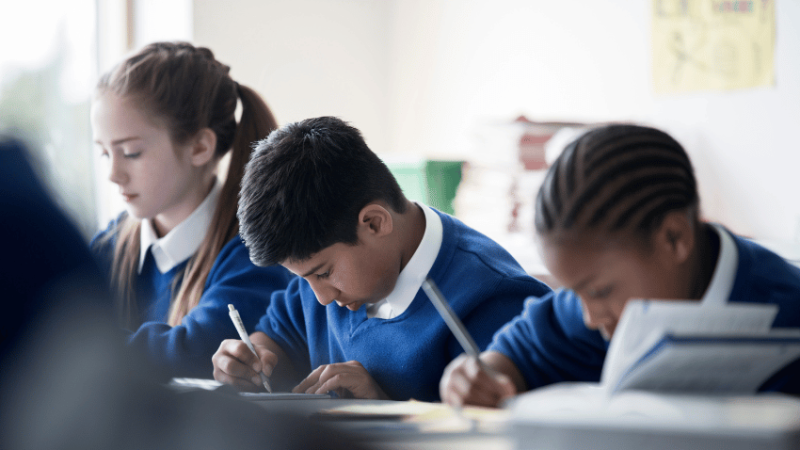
(47, 71)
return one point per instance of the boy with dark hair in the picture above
(318, 201)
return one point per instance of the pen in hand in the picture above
(237, 322)
(454, 323)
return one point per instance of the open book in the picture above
(685, 346)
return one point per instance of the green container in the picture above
(433, 183)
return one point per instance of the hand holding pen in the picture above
(467, 379)
(237, 322)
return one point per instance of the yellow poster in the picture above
(713, 44)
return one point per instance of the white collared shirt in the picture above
(721, 285)
(415, 271)
(182, 241)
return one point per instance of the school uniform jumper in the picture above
(406, 355)
(549, 342)
(185, 350)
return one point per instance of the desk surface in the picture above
(383, 424)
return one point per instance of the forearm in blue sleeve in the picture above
(549, 343)
(185, 350)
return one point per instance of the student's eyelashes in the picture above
(132, 155)
(322, 276)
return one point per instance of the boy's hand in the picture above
(342, 378)
(466, 382)
(235, 364)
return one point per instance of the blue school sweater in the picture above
(549, 342)
(406, 355)
(185, 350)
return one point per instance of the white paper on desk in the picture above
(281, 396)
(585, 406)
(645, 322)
(738, 363)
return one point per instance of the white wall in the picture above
(306, 57)
(420, 76)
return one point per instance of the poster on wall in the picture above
(705, 45)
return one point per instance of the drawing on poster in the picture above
(712, 44)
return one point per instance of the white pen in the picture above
(451, 319)
(458, 329)
(237, 322)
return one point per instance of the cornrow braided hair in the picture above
(616, 177)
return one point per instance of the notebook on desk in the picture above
(193, 384)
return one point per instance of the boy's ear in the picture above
(375, 220)
(675, 237)
(202, 147)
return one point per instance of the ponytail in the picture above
(124, 265)
(256, 123)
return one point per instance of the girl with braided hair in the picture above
(162, 120)
(617, 217)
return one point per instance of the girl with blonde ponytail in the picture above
(162, 120)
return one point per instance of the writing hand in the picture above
(343, 378)
(466, 382)
(236, 365)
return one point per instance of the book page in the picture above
(645, 322)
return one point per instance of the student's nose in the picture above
(597, 314)
(116, 172)
(326, 294)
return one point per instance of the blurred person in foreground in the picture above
(67, 381)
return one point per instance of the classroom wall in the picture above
(306, 57)
(420, 77)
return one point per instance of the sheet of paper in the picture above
(194, 383)
(415, 416)
(191, 384)
(399, 409)
(586, 406)
(257, 396)
(645, 322)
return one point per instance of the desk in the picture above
(663, 422)
(412, 433)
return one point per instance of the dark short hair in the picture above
(616, 177)
(304, 187)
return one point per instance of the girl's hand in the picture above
(343, 378)
(466, 382)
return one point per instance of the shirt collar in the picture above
(413, 274)
(719, 290)
(182, 241)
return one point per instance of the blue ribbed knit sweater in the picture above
(406, 355)
(185, 350)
